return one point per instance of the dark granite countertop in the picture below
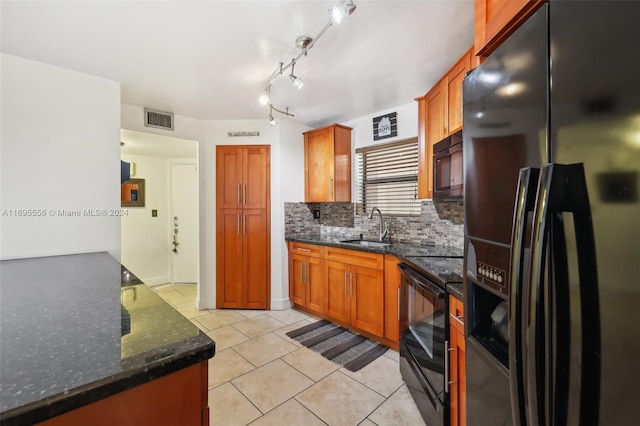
(73, 331)
(455, 289)
(400, 249)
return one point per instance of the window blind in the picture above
(387, 178)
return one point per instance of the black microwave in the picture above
(447, 167)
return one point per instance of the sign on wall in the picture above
(385, 126)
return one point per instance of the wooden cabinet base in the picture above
(178, 398)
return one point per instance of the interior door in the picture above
(184, 218)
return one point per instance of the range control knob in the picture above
(500, 278)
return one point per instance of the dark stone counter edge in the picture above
(455, 289)
(59, 404)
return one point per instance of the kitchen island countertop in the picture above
(76, 329)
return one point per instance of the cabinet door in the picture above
(495, 20)
(255, 178)
(424, 162)
(314, 281)
(319, 165)
(298, 288)
(337, 301)
(255, 258)
(435, 115)
(229, 271)
(454, 93)
(366, 288)
(228, 177)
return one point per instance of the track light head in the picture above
(264, 99)
(297, 82)
(272, 121)
(339, 12)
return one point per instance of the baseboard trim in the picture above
(206, 303)
(280, 304)
(156, 280)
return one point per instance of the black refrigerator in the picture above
(552, 220)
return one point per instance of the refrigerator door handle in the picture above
(525, 200)
(562, 189)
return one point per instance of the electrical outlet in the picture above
(154, 213)
(316, 214)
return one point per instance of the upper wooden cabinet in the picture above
(495, 20)
(327, 164)
(439, 115)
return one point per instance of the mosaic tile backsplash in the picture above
(440, 222)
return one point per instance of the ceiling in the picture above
(211, 60)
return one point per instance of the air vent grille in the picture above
(158, 119)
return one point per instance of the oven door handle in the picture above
(421, 281)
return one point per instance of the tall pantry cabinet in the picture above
(243, 227)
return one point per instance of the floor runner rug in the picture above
(338, 344)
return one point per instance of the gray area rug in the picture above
(344, 347)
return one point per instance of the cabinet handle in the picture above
(302, 271)
(351, 284)
(331, 187)
(238, 224)
(303, 249)
(306, 273)
(244, 223)
(238, 193)
(460, 318)
(345, 283)
(244, 194)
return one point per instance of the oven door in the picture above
(425, 336)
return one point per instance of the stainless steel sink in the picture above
(367, 243)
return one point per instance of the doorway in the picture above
(159, 237)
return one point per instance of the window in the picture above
(387, 178)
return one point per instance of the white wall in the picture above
(60, 133)
(145, 239)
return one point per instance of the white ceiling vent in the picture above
(158, 119)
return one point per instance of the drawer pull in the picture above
(460, 318)
(303, 249)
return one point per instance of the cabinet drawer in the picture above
(355, 257)
(304, 249)
(456, 314)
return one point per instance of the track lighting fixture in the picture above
(336, 15)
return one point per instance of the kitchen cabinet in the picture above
(391, 298)
(306, 275)
(457, 369)
(495, 20)
(242, 227)
(327, 164)
(439, 116)
(355, 288)
(154, 402)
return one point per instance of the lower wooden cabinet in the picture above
(179, 398)
(349, 287)
(306, 276)
(457, 370)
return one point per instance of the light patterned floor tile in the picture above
(186, 289)
(289, 413)
(226, 337)
(282, 332)
(192, 312)
(264, 349)
(219, 318)
(258, 326)
(250, 313)
(382, 375)
(394, 355)
(398, 410)
(288, 316)
(312, 364)
(228, 407)
(272, 384)
(339, 400)
(227, 365)
(367, 422)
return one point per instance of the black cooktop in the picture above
(444, 270)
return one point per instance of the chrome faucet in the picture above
(383, 232)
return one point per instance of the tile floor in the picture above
(259, 376)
